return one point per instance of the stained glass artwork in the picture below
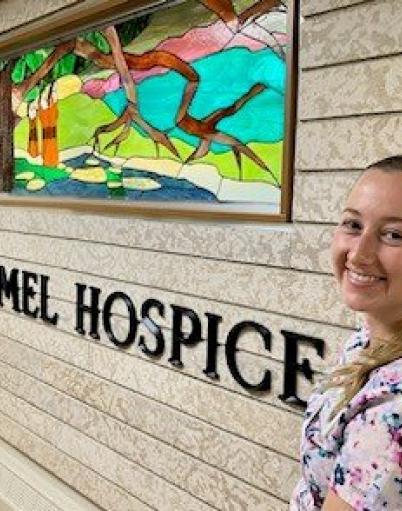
(186, 103)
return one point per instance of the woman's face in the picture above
(367, 248)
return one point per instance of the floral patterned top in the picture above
(359, 453)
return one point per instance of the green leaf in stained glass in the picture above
(64, 66)
(18, 73)
(36, 58)
(33, 61)
(99, 41)
(32, 94)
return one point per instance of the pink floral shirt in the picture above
(359, 453)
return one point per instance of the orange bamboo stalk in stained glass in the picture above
(48, 115)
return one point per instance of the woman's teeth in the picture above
(362, 278)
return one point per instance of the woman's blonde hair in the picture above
(352, 376)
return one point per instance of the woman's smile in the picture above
(363, 280)
(367, 248)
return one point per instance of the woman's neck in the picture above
(381, 329)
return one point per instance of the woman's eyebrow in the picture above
(385, 218)
(351, 210)
(392, 219)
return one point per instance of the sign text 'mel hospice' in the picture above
(28, 293)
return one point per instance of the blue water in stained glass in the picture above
(224, 78)
(171, 188)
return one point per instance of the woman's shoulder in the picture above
(382, 393)
(388, 376)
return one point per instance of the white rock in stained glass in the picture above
(140, 183)
(114, 184)
(92, 162)
(202, 175)
(25, 176)
(244, 191)
(91, 175)
(35, 185)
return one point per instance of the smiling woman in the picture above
(351, 445)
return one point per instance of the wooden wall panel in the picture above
(133, 478)
(19, 493)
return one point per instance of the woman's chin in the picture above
(358, 304)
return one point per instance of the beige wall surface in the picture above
(124, 432)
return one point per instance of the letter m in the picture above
(9, 287)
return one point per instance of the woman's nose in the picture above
(364, 250)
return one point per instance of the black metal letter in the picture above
(212, 345)
(44, 297)
(9, 286)
(132, 319)
(179, 337)
(231, 349)
(155, 329)
(92, 309)
(292, 367)
(29, 292)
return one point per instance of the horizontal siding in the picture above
(320, 196)
(213, 404)
(88, 482)
(186, 278)
(312, 247)
(348, 143)
(366, 30)
(251, 366)
(314, 7)
(138, 415)
(26, 486)
(352, 89)
(138, 482)
(318, 287)
(199, 479)
(258, 243)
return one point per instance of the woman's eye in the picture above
(393, 235)
(350, 224)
